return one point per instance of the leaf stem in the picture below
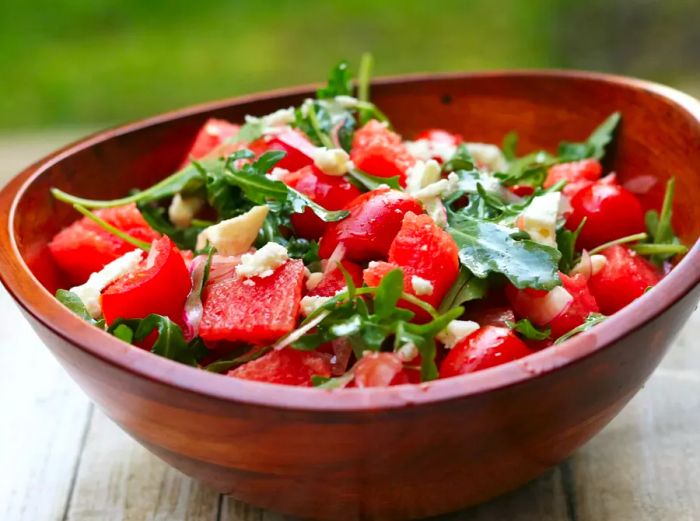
(655, 249)
(363, 76)
(111, 229)
(322, 136)
(420, 303)
(623, 240)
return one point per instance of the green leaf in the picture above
(229, 362)
(594, 146)
(339, 382)
(527, 330)
(371, 182)
(185, 238)
(530, 170)
(249, 132)
(566, 242)
(510, 146)
(486, 247)
(185, 180)
(663, 243)
(592, 320)
(339, 82)
(388, 293)
(170, 343)
(73, 303)
(467, 287)
(461, 160)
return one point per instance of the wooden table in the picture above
(61, 459)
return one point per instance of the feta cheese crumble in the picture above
(488, 157)
(309, 304)
(422, 174)
(236, 235)
(313, 280)
(263, 262)
(407, 352)
(183, 209)
(425, 149)
(274, 120)
(332, 161)
(421, 286)
(539, 219)
(90, 291)
(456, 331)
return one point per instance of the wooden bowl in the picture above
(395, 453)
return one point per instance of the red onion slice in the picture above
(584, 266)
(551, 306)
(341, 356)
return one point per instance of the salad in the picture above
(315, 246)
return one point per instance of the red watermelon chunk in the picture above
(254, 310)
(84, 248)
(287, 366)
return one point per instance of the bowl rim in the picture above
(37, 302)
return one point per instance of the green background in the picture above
(80, 63)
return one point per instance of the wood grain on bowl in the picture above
(391, 453)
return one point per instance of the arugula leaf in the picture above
(530, 169)
(304, 249)
(323, 382)
(467, 287)
(184, 238)
(486, 247)
(460, 160)
(388, 293)
(594, 146)
(249, 132)
(322, 119)
(526, 329)
(371, 182)
(171, 342)
(663, 243)
(229, 362)
(73, 303)
(566, 242)
(339, 82)
(591, 320)
(510, 146)
(187, 180)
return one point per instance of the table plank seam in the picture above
(569, 488)
(78, 460)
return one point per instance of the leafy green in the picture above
(622, 240)
(321, 119)
(530, 170)
(73, 303)
(460, 160)
(323, 382)
(240, 357)
(249, 132)
(594, 146)
(186, 180)
(527, 330)
(369, 318)
(184, 238)
(304, 249)
(663, 243)
(591, 320)
(566, 242)
(170, 343)
(510, 146)
(486, 247)
(339, 82)
(467, 287)
(371, 182)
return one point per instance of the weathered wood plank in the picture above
(118, 480)
(646, 464)
(233, 510)
(44, 419)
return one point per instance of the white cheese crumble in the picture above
(276, 119)
(421, 286)
(407, 352)
(263, 262)
(277, 173)
(347, 102)
(425, 149)
(332, 161)
(422, 174)
(539, 219)
(488, 157)
(309, 304)
(313, 280)
(183, 209)
(90, 291)
(456, 331)
(236, 235)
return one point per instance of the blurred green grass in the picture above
(75, 62)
